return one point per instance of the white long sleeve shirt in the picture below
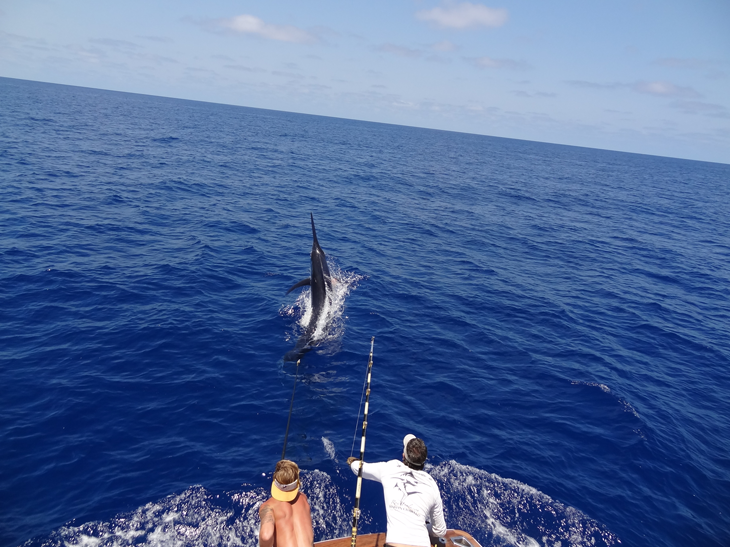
(411, 498)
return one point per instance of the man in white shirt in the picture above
(411, 496)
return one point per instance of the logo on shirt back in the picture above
(407, 485)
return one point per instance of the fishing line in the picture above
(291, 406)
(357, 421)
(356, 510)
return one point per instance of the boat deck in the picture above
(454, 538)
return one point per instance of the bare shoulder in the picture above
(267, 506)
(302, 501)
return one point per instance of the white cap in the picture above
(408, 438)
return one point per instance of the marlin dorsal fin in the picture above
(314, 232)
(302, 283)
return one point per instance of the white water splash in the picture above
(603, 387)
(498, 512)
(197, 518)
(331, 323)
(508, 513)
(193, 518)
(329, 447)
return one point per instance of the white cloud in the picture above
(152, 58)
(92, 55)
(244, 68)
(15, 40)
(463, 16)
(159, 39)
(521, 93)
(717, 75)
(250, 24)
(438, 59)
(400, 51)
(713, 70)
(593, 85)
(444, 46)
(674, 62)
(116, 44)
(664, 89)
(290, 75)
(697, 107)
(489, 62)
(656, 88)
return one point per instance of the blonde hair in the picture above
(286, 472)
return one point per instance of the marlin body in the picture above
(320, 283)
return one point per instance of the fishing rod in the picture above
(356, 511)
(291, 406)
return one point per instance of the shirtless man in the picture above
(286, 520)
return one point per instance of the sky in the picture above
(643, 76)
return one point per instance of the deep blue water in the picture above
(552, 320)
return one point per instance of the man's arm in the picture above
(438, 524)
(370, 471)
(268, 526)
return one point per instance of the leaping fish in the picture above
(320, 283)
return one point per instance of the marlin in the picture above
(320, 283)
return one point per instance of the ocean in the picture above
(552, 320)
